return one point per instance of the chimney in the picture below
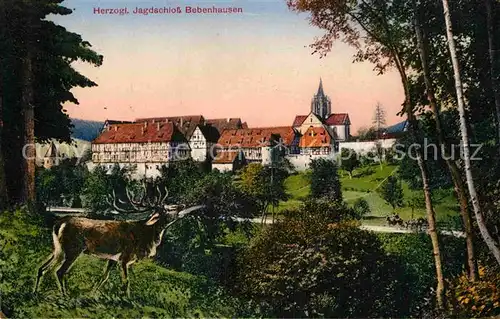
(116, 128)
(182, 121)
(158, 126)
(152, 121)
(146, 124)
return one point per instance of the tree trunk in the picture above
(493, 67)
(452, 166)
(3, 183)
(431, 215)
(29, 130)
(490, 242)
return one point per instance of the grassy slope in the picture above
(364, 183)
(155, 290)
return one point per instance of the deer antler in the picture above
(162, 202)
(140, 201)
(140, 204)
(113, 203)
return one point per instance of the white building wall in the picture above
(266, 155)
(341, 131)
(301, 161)
(142, 170)
(365, 147)
(198, 145)
(223, 167)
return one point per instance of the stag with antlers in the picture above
(119, 242)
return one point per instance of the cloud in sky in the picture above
(256, 65)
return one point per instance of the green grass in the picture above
(155, 290)
(364, 184)
(367, 178)
(298, 186)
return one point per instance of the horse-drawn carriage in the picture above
(417, 224)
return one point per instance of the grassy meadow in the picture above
(155, 291)
(364, 184)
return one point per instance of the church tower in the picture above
(321, 104)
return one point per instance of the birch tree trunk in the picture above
(490, 242)
(452, 165)
(429, 208)
(493, 67)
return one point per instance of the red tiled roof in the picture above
(140, 133)
(250, 137)
(227, 157)
(225, 124)
(299, 119)
(338, 119)
(186, 124)
(315, 137)
(286, 133)
(257, 137)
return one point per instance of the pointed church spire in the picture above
(321, 104)
(320, 89)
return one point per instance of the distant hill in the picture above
(85, 129)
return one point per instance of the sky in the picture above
(256, 65)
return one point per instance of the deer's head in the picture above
(155, 203)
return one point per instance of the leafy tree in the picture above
(412, 251)
(194, 235)
(367, 134)
(63, 181)
(392, 192)
(179, 177)
(37, 77)
(416, 201)
(349, 160)
(48, 187)
(361, 207)
(378, 30)
(380, 151)
(366, 159)
(100, 184)
(325, 180)
(265, 184)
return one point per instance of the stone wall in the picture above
(365, 147)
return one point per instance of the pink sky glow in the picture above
(254, 66)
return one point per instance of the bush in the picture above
(414, 252)
(325, 180)
(305, 266)
(392, 192)
(477, 299)
(361, 208)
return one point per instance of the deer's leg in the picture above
(46, 265)
(69, 259)
(105, 277)
(126, 285)
(49, 263)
